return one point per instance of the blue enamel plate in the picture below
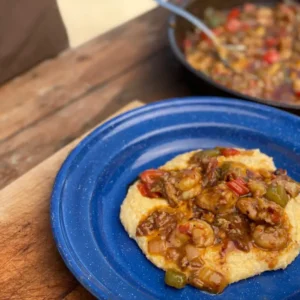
(94, 179)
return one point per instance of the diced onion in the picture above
(191, 252)
(156, 246)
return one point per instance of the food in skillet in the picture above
(271, 36)
(213, 217)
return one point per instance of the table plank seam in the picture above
(86, 93)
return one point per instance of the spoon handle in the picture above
(188, 16)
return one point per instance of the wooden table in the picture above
(51, 105)
(46, 109)
(31, 267)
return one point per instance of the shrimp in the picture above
(202, 234)
(259, 209)
(219, 199)
(182, 185)
(270, 238)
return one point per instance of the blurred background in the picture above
(39, 30)
(85, 20)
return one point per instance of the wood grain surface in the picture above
(31, 267)
(57, 101)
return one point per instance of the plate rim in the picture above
(61, 176)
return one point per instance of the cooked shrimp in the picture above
(182, 185)
(188, 179)
(219, 199)
(202, 234)
(260, 209)
(270, 238)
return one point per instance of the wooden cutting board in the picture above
(31, 267)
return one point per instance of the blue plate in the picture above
(93, 182)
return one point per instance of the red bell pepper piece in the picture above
(229, 151)
(149, 176)
(217, 31)
(145, 191)
(271, 56)
(233, 14)
(184, 228)
(238, 186)
(233, 25)
(297, 93)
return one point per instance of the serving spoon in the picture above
(221, 48)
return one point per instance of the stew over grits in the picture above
(215, 207)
